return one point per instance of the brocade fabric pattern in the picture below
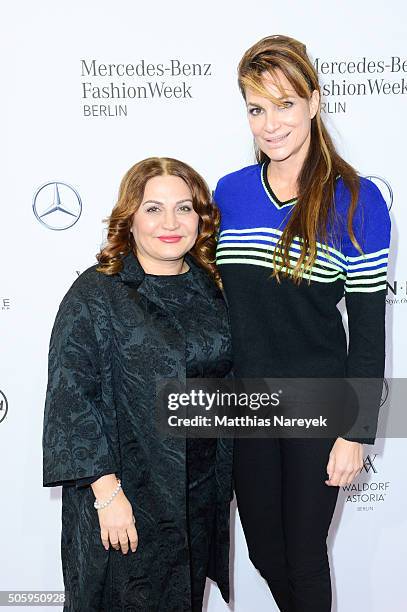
(114, 337)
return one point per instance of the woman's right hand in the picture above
(117, 522)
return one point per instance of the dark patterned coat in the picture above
(109, 345)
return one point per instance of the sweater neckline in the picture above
(269, 191)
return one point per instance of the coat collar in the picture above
(132, 273)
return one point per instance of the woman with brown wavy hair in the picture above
(144, 515)
(299, 230)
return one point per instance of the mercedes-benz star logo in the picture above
(57, 205)
(385, 188)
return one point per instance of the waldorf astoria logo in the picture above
(367, 494)
(3, 406)
(368, 464)
(57, 205)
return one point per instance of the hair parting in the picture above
(314, 212)
(120, 240)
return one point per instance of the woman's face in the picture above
(165, 226)
(281, 132)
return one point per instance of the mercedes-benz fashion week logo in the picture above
(385, 188)
(3, 406)
(57, 205)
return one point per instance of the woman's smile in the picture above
(170, 239)
(277, 140)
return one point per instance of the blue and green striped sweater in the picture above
(296, 330)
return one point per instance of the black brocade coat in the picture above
(109, 345)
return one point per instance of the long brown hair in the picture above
(315, 208)
(120, 240)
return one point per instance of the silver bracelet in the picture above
(99, 505)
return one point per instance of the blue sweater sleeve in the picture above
(365, 296)
(366, 272)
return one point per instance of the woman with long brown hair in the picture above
(149, 310)
(299, 230)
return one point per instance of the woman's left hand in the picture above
(345, 462)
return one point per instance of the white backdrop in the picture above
(49, 135)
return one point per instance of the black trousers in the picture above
(285, 509)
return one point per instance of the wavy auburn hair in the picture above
(314, 211)
(120, 240)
